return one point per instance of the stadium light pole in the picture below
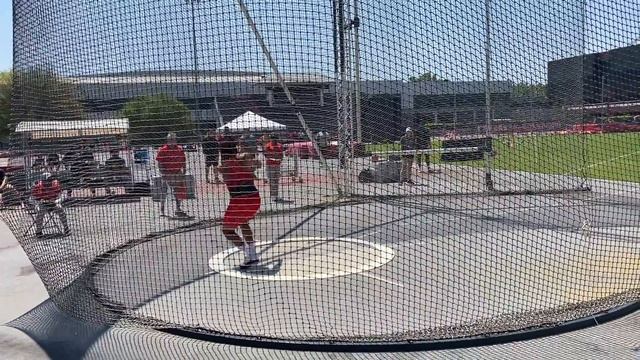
(487, 90)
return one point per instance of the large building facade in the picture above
(606, 82)
(215, 98)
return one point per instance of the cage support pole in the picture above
(285, 88)
(344, 106)
(358, 88)
(487, 90)
(196, 93)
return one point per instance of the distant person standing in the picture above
(211, 151)
(87, 166)
(274, 153)
(408, 143)
(250, 144)
(172, 163)
(72, 165)
(423, 142)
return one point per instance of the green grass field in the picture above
(601, 156)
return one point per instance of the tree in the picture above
(41, 95)
(6, 82)
(428, 76)
(530, 90)
(152, 117)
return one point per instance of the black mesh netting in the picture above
(346, 170)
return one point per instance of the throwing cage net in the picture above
(391, 171)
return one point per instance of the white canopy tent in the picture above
(252, 122)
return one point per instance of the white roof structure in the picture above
(75, 128)
(252, 122)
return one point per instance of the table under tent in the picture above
(76, 153)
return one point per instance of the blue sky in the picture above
(6, 32)
(399, 38)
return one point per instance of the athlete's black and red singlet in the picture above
(245, 198)
(238, 177)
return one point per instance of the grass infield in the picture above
(599, 156)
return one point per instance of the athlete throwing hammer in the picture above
(237, 172)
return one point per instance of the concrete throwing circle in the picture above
(305, 258)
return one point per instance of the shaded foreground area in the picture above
(45, 333)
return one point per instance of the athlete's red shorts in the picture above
(241, 210)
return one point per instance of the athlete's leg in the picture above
(247, 233)
(231, 235)
(250, 253)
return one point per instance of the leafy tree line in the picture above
(521, 89)
(5, 103)
(428, 76)
(530, 90)
(152, 117)
(40, 95)
(35, 95)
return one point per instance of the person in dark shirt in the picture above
(70, 160)
(273, 153)
(250, 145)
(115, 170)
(38, 163)
(211, 151)
(87, 167)
(53, 162)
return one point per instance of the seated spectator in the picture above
(53, 162)
(38, 163)
(46, 195)
(115, 164)
(69, 160)
(86, 168)
(115, 170)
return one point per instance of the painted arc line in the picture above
(382, 255)
(380, 278)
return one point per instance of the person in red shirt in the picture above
(47, 197)
(273, 153)
(237, 170)
(172, 163)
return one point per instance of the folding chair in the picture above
(47, 223)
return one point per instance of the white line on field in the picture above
(611, 160)
(367, 234)
(379, 278)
